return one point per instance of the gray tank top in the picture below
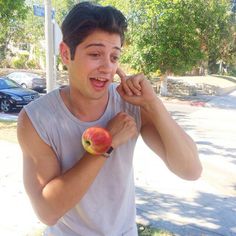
(108, 207)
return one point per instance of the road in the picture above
(203, 207)
(206, 207)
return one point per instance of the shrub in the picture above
(5, 63)
(32, 64)
(19, 62)
(232, 71)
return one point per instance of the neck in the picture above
(84, 108)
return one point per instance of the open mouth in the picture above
(98, 82)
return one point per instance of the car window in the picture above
(7, 83)
(11, 76)
(17, 75)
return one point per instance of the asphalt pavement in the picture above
(206, 207)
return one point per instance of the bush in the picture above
(5, 63)
(232, 71)
(32, 64)
(20, 61)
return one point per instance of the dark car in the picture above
(13, 96)
(28, 80)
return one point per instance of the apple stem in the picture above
(88, 142)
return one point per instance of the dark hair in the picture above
(84, 18)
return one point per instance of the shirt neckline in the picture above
(75, 119)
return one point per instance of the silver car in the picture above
(28, 80)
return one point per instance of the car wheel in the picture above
(6, 105)
(24, 85)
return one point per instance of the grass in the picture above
(8, 131)
(150, 231)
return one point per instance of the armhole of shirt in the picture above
(37, 124)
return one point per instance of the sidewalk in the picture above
(224, 85)
(206, 207)
(16, 215)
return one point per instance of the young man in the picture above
(72, 191)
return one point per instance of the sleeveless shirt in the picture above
(108, 207)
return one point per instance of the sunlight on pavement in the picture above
(17, 216)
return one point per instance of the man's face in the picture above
(95, 64)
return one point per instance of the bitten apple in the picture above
(96, 140)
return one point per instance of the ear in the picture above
(65, 53)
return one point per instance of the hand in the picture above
(122, 127)
(135, 89)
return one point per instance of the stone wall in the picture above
(184, 88)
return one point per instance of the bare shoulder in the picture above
(24, 126)
(39, 160)
(27, 135)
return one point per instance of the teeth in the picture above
(100, 79)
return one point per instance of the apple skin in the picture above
(96, 140)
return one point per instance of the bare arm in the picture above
(159, 131)
(52, 193)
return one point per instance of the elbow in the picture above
(188, 171)
(197, 173)
(47, 218)
(193, 173)
(193, 168)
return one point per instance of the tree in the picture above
(213, 26)
(11, 14)
(162, 37)
(174, 36)
(31, 29)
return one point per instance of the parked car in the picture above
(28, 80)
(13, 96)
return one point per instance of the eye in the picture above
(115, 58)
(94, 54)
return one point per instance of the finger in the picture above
(134, 88)
(123, 78)
(121, 73)
(136, 80)
(122, 92)
(125, 87)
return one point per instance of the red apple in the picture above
(96, 140)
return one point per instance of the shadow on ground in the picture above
(192, 218)
(211, 149)
(206, 132)
(224, 102)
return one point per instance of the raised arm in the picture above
(51, 192)
(159, 131)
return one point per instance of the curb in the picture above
(8, 117)
(198, 103)
(186, 101)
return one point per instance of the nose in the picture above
(106, 66)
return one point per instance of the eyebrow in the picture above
(100, 45)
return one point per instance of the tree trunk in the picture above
(163, 87)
